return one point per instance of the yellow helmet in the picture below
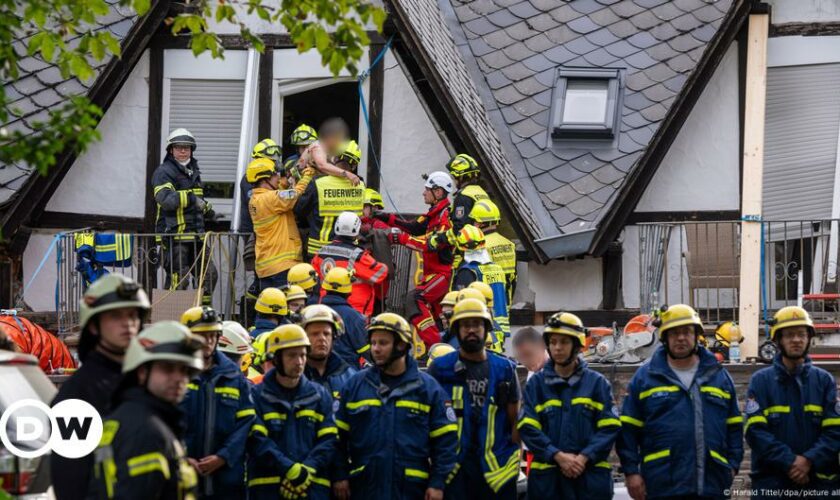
(260, 344)
(679, 315)
(727, 332)
(260, 168)
(438, 350)
(462, 165)
(294, 292)
(234, 339)
(471, 293)
(393, 323)
(337, 280)
(304, 135)
(201, 319)
(450, 299)
(564, 323)
(272, 301)
(468, 309)
(285, 337)
(486, 212)
(372, 197)
(164, 341)
(790, 316)
(350, 152)
(303, 275)
(266, 148)
(470, 238)
(485, 290)
(319, 313)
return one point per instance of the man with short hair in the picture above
(793, 424)
(140, 455)
(681, 432)
(529, 349)
(323, 366)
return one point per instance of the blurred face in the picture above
(211, 339)
(794, 341)
(296, 305)
(166, 380)
(681, 340)
(117, 327)
(445, 314)
(471, 334)
(294, 360)
(560, 347)
(320, 336)
(332, 142)
(182, 152)
(367, 210)
(382, 344)
(529, 353)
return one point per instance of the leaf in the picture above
(111, 42)
(35, 42)
(379, 17)
(48, 48)
(322, 39)
(97, 48)
(141, 6)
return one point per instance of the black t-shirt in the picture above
(478, 378)
(390, 380)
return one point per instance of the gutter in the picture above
(566, 245)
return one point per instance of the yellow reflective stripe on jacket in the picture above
(604, 465)
(291, 255)
(319, 480)
(327, 430)
(718, 456)
(542, 465)
(714, 391)
(490, 438)
(627, 419)
(309, 413)
(149, 462)
(338, 194)
(245, 413)
(342, 425)
(458, 404)
(414, 405)
(273, 415)
(258, 428)
(352, 405)
(357, 470)
(529, 421)
(230, 392)
(496, 479)
(826, 477)
(416, 473)
(454, 473)
(262, 481)
(179, 212)
(757, 419)
(165, 185)
(777, 409)
(657, 455)
(365, 348)
(192, 387)
(588, 402)
(734, 420)
(661, 388)
(547, 404)
(830, 422)
(440, 431)
(607, 422)
(265, 220)
(813, 409)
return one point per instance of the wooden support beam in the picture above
(751, 242)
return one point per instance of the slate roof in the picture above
(40, 88)
(512, 49)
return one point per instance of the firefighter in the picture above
(478, 266)
(140, 455)
(278, 245)
(437, 351)
(529, 350)
(328, 196)
(485, 395)
(261, 363)
(272, 311)
(487, 217)
(182, 211)
(319, 150)
(569, 420)
(235, 343)
(369, 276)
(296, 300)
(498, 334)
(398, 434)
(681, 430)
(793, 425)
(464, 169)
(373, 205)
(218, 413)
(352, 345)
(423, 303)
(294, 438)
(323, 366)
(111, 313)
(305, 276)
(447, 304)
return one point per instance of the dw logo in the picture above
(30, 428)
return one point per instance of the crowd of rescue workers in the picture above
(329, 395)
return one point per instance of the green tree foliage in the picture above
(63, 32)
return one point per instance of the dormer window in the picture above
(586, 103)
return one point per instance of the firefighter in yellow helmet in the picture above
(329, 196)
(278, 243)
(353, 345)
(465, 171)
(394, 419)
(487, 217)
(437, 351)
(305, 276)
(662, 440)
(373, 205)
(793, 423)
(141, 453)
(497, 339)
(296, 300)
(267, 149)
(485, 395)
(272, 311)
(295, 434)
(569, 468)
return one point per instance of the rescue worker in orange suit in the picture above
(423, 304)
(279, 246)
(369, 275)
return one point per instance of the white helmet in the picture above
(181, 136)
(348, 224)
(441, 180)
(234, 338)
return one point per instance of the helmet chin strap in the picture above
(672, 355)
(794, 358)
(570, 359)
(102, 344)
(395, 355)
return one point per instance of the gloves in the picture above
(394, 235)
(384, 217)
(200, 204)
(298, 476)
(210, 215)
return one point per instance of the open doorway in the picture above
(314, 106)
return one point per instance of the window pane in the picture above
(586, 101)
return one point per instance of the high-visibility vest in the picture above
(335, 195)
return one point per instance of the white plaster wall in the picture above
(566, 284)
(804, 11)
(410, 144)
(700, 171)
(110, 177)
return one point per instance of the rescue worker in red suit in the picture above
(370, 277)
(423, 304)
(373, 204)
